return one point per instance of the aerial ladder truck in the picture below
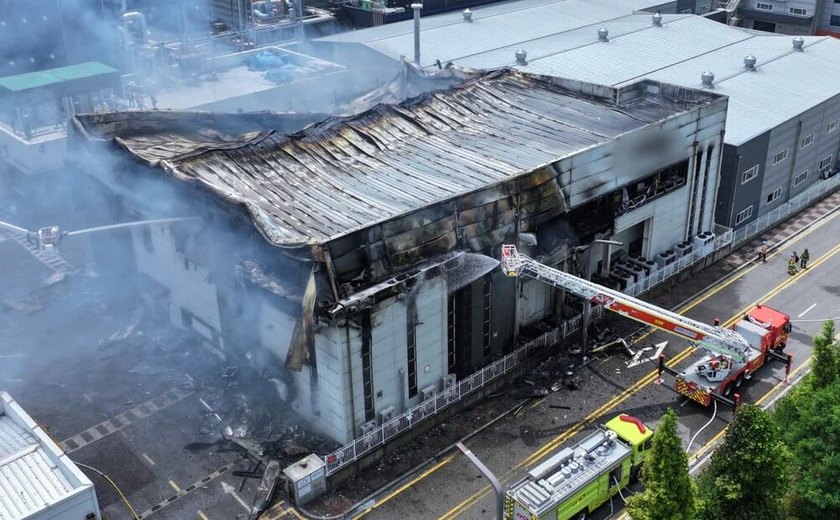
(733, 354)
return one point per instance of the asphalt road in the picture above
(452, 488)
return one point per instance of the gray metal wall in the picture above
(734, 196)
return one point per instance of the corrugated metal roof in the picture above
(346, 174)
(448, 38)
(785, 84)
(31, 474)
(541, 48)
(685, 46)
(563, 42)
(638, 53)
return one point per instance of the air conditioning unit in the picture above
(448, 381)
(648, 265)
(428, 392)
(704, 244)
(386, 414)
(683, 249)
(665, 258)
(368, 427)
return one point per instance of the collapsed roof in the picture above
(344, 174)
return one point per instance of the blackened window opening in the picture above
(488, 293)
(367, 369)
(411, 342)
(450, 337)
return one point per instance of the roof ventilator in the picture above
(602, 34)
(749, 62)
(657, 19)
(708, 78)
(467, 15)
(522, 57)
(798, 43)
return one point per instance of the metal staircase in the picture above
(49, 258)
(714, 339)
(731, 7)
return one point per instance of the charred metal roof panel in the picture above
(34, 473)
(346, 174)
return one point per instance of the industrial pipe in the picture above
(417, 8)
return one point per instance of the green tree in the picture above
(826, 363)
(669, 492)
(748, 473)
(809, 420)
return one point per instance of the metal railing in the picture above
(408, 419)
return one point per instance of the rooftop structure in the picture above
(37, 480)
(342, 175)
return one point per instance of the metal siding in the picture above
(431, 333)
(389, 353)
(749, 154)
(504, 308)
(777, 176)
(534, 302)
(813, 122)
(356, 374)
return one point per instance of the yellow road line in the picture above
(623, 396)
(407, 485)
(175, 486)
(202, 515)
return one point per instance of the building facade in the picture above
(355, 262)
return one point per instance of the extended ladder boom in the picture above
(715, 339)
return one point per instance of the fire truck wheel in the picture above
(583, 515)
(739, 380)
(635, 474)
(727, 390)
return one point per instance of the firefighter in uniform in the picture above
(792, 264)
(803, 260)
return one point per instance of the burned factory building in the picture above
(353, 261)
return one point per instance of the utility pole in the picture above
(497, 486)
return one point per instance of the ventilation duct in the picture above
(749, 62)
(603, 34)
(467, 15)
(522, 57)
(798, 44)
(657, 19)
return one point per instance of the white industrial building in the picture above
(38, 481)
(784, 108)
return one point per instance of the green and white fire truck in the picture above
(577, 480)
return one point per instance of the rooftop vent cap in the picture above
(798, 43)
(708, 78)
(467, 15)
(749, 62)
(602, 34)
(522, 57)
(657, 19)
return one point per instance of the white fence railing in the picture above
(405, 421)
